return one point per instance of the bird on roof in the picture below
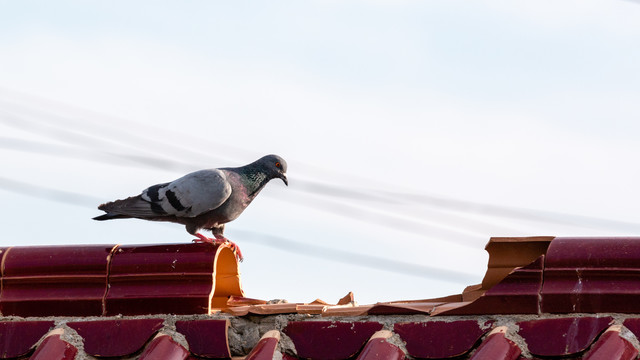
(202, 200)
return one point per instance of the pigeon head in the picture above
(273, 166)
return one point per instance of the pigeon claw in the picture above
(233, 246)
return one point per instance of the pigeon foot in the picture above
(219, 240)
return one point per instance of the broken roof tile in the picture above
(562, 336)
(163, 347)
(516, 293)
(330, 339)
(206, 338)
(54, 280)
(266, 346)
(440, 339)
(378, 347)
(53, 347)
(115, 337)
(403, 308)
(497, 347)
(612, 346)
(18, 337)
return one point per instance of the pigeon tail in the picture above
(110, 216)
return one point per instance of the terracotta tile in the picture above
(206, 338)
(403, 308)
(347, 299)
(270, 309)
(330, 339)
(18, 337)
(517, 293)
(163, 347)
(497, 347)
(54, 348)
(243, 301)
(310, 308)
(379, 348)
(237, 310)
(440, 339)
(171, 278)
(592, 275)
(54, 280)
(611, 346)
(266, 347)
(561, 337)
(115, 337)
(346, 310)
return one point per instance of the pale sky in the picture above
(414, 130)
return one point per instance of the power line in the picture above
(369, 261)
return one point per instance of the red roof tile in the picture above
(18, 337)
(54, 348)
(330, 339)
(206, 338)
(563, 336)
(592, 275)
(526, 279)
(441, 339)
(266, 347)
(173, 278)
(612, 346)
(163, 347)
(497, 347)
(115, 337)
(378, 347)
(54, 280)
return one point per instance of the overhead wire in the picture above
(278, 242)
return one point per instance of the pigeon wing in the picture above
(190, 195)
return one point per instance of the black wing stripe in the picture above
(153, 192)
(173, 200)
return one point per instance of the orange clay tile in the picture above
(54, 280)
(172, 278)
(266, 347)
(163, 347)
(206, 338)
(330, 339)
(17, 338)
(340, 310)
(53, 347)
(612, 346)
(109, 338)
(497, 347)
(400, 308)
(562, 336)
(379, 348)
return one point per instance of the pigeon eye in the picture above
(278, 165)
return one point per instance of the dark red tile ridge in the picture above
(497, 347)
(378, 347)
(164, 347)
(53, 347)
(612, 346)
(265, 349)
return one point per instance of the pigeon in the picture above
(201, 200)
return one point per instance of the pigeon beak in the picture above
(284, 179)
